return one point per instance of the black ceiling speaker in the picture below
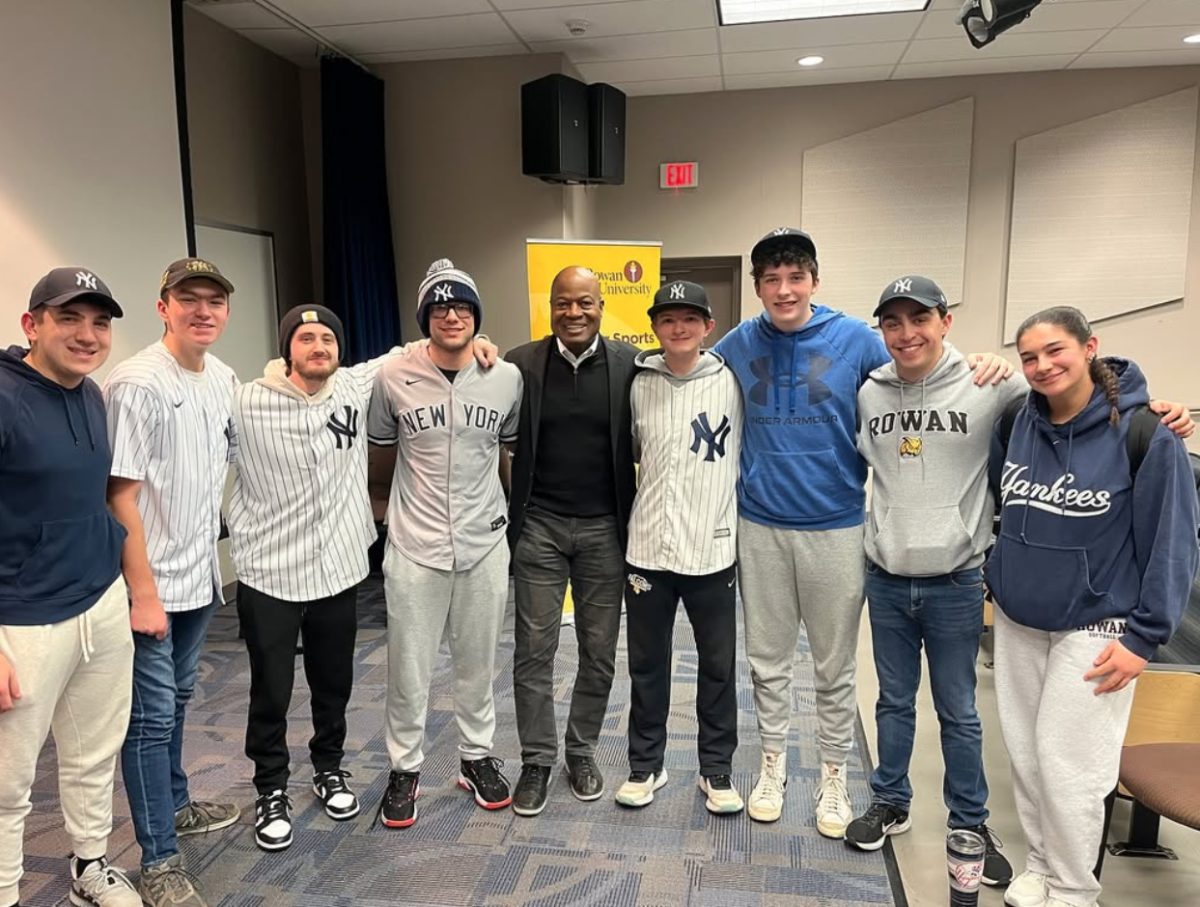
(554, 129)
(606, 157)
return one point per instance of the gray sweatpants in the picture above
(1064, 746)
(791, 575)
(423, 603)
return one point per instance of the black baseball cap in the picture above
(681, 294)
(919, 289)
(783, 238)
(187, 268)
(63, 285)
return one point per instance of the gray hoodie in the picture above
(927, 444)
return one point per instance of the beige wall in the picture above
(247, 146)
(750, 146)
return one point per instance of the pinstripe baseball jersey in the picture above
(299, 515)
(689, 433)
(447, 508)
(170, 429)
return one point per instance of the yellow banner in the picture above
(629, 278)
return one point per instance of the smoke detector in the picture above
(577, 28)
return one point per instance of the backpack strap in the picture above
(1143, 422)
(1008, 418)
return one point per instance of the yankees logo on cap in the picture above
(782, 238)
(64, 285)
(919, 289)
(681, 294)
(445, 283)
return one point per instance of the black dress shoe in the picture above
(586, 781)
(529, 798)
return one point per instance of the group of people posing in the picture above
(751, 461)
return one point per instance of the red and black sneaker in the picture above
(483, 778)
(398, 808)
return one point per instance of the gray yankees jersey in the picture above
(688, 431)
(171, 430)
(447, 508)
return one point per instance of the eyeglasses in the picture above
(442, 309)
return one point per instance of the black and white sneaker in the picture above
(273, 821)
(483, 778)
(871, 829)
(333, 791)
(398, 808)
(997, 871)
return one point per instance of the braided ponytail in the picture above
(1074, 323)
(1107, 379)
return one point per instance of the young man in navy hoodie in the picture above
(66, 650)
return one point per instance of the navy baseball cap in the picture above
(681, 294)
(919, 289)
(63, 285)
(783, 238)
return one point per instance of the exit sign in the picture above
(684, 175)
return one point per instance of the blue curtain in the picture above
(360, 267)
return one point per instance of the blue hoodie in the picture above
(800, 467)
(1081, 542)
(60, 548)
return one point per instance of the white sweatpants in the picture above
(76, 679)
(423, 603)
(1064, 744)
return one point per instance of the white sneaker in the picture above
(766, 800)
(1027, 890)
(101, 885)
(723, 797)
(639, 789)
(833, 802)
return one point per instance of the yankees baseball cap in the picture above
(918, 289)
(309, 314)
(187, 268)
(783, 238)
(681, 294)
(63, 285)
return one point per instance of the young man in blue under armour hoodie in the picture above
(800, 510)
(66, 649)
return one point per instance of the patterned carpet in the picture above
(670, 854)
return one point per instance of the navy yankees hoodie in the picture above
(60, 548)
(1081, 541)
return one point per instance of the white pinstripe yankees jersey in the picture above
(299, 516)
(171, 430)
(689, 433)
(447, 508)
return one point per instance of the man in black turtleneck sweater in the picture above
(572, 491)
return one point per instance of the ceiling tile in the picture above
(1167, 37)
(1167, 12)
(246, 14)
(349, 12)
(1185, 56)
(1054, 16)
(827, 32)
(614, 18)
(671, 86)
(420, 34)
(648, 70)
(810, 77)
(1011, 44)
(287, 42)
(445, 53)
(981, 66)
(687, 43)
(506, 5)
(843, 57)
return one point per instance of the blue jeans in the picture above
(164, 676)
(945, 613)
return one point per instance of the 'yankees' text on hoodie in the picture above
(1083, 543)
(60, 548)
(800, 463)
(927, 443)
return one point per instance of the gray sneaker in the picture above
(200, 816)
(168, 884)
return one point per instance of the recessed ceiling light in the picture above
(740, 12)
(811, 61)
(1192, 39)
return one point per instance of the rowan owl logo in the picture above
(911, 447)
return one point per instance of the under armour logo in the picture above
(903, 285)
(703, 433)
(346, 427)
(85, 279)
(818, 390)
(443, 292)
(677, 291)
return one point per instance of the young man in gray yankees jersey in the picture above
(687, 432)
(446, 567)
(169, 423)
(300, 522)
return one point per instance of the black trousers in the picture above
(272, 626)
(651, 599)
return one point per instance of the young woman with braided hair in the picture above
(1091, 572)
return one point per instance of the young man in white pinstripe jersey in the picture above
(687, 431)
(169, 423)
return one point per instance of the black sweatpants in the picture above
(651, 599)
(271, 626)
